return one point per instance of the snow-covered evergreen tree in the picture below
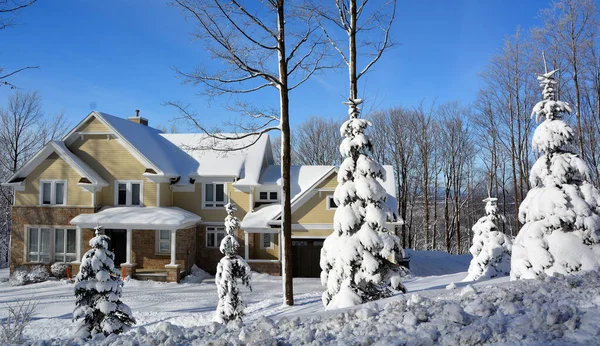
(561, 228)
(491, 248)
(231, 268)
(98, 293)
(355, 257)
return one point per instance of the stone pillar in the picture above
(75, 269)
(128, 269)
(173, 272)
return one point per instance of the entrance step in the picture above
(151, 276)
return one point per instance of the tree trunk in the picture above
(352, 61)
(286, 220)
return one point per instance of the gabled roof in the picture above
(304, 180)
(146, 144)
(244, 164)
(187, 155)
(89, 176)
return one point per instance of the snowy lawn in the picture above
(529, 311)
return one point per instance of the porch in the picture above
(156, 242)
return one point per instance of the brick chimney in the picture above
(137, 119)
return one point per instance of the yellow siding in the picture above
(329, 183)
(53, 168)
(112, 162)
(312, 233)
(192, 201)
(166, 200)
(314, 211)
(266, 254)
(93, 125)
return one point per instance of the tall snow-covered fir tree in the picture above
(491, 248)
(355, 257)
(98, 293)
(561, 228)
(231, 268)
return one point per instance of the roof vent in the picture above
(137, 119)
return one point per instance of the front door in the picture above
(117, 244)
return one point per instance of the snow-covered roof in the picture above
(244, 164)
(189, 155)
(302, 177)
(258, 218)
(164, 155)
(71, 159)
(151, 218)
(303, 180)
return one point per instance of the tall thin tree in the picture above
(262, 45)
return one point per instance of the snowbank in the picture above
(196, 276)
(558, 310)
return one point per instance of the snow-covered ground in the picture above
(558, 310)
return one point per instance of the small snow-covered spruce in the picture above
(561, 229)
(231, 268)
(491, 248)
(98, 293)
(355, 257)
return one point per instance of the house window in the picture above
(128, 193)
(64, 245)
(331, 203)
(164, 241)
(214, 195)
(53, 192)
(266, 196)
(38, 245)
(214, 235)
(266, 240)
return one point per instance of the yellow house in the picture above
(161, 197)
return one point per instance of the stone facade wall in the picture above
(145, 255)
(208, 257)
(42, 216)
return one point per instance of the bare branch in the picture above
(16, 8)
(385, 44)
(17, 71)
(240, 30)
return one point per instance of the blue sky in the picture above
(117, 56)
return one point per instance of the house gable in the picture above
(113, 162)
(93, 125)
(314, 209)
(53, 168)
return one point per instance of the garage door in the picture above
(306, 256)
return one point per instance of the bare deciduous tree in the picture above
(9, 10)
(316, 142)
(261, 45)
(24, 129)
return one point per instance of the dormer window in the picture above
(53, 192)
(128, 193)
(214, 195)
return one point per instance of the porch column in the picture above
(78, 244)
(281, 244)
(246, 247)
(129, 243)
(173, 248)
